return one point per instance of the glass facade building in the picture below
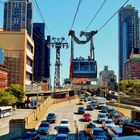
(1, 56)
(42, 53)
(129, 37)
(18, 15)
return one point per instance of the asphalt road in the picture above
(69, 111)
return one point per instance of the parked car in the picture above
(44, 128)
(81, 102)
(101, 117)
(87, 117)
(81, 110)
(30, 136)
(114, 131)
(112, 113)
(117, 118)
(51, 117)
(89, 128)
(103, 109)
(65, 122)
(89, 107)
(99, 134)
(106, 123)
(61, 137)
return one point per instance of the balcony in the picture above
(29, 54)
(29, 69)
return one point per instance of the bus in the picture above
(5, 111)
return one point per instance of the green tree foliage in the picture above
(17, 91)
(130, 86)
(7, 99)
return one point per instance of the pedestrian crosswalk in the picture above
(52, 137)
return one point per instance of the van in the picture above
(114, 131)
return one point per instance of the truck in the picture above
(100, 101)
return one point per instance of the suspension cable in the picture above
(95, 15)
(112, 16)
(40, 13)
(1, 2)
(76, 13)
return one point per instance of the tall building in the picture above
(129, 36)
(42, 53)
(19, 53)
(18, 15)
(107, 78)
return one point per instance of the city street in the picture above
(69, 111)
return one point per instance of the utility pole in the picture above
(58, 43)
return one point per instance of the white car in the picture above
(107, 122)
(65, 122)
(112, 101)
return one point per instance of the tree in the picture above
(17, 91)
(7, 98)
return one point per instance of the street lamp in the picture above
(118, 96)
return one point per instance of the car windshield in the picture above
(63, 130)
(91, 125)
(51, 115)
(61, 138)
(87, 115)
(27, 136)
(64, 122)
(98, 132)
(44, 125)
(81, 108)
(102, 115)
(117, 116)
(108, 121)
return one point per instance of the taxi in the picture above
(81, 102)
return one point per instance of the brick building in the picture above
(3, 77)
(132, 67)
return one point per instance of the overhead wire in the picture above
(95, 15)
(1, 2)
(77, 9)
(112, 16)
(40, 13)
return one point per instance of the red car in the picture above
(117, 118)
(87, 117)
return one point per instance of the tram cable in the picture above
(95, 15)
(40, 13)
(112, 16)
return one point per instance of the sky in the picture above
(58, 16)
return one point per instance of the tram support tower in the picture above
(58, 44)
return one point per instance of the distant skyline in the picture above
(58, 16)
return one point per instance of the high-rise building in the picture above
(19, 53)
(129, 36)
(107, 78)
(42, 53)
(18, 15)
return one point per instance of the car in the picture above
(113, 101)
(112, 113)
(65, 122)
(89, 107)
(103, 109)
(63, 130)
(51, 117)
(114, 131)
(33, 135)
(81, 110)
(61, 137)
(109, 110)
(99, 134)
(117, 118)
(87, 117)
(85, 99)
(44, 128)
(134, 137)
(89, 128)
(101, 117)
(81, 102)
(106, 123)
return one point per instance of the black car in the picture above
(111, 113)
(51, 117)
(89, 107)
(63, 130)
(109, 110)
(44, 128)
(30, 136)
(81, 110)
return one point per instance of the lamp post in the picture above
(118, 96)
